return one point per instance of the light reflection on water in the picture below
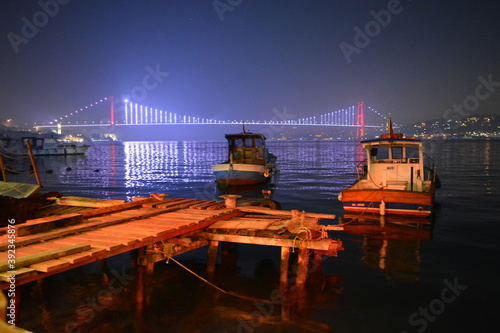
(384, 274)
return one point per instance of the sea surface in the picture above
(431, 275)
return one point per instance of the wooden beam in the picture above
(88, 202)
(213, 248)
(45, 255)
(285, 257)
(265, 210)
(19, 273)
(302, 266)
(321, 244)
(116, 208)
(47, 224)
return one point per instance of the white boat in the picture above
(52, 147)
(398, 179)
(248, 162)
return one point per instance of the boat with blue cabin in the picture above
(249, 161)
(396, 178)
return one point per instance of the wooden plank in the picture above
(23, 241)
(216, 206)
(322, 244)
(50, 265)
(146, 225)
(125, 228)
(203, 205)
(111, 209)
(88, 202)
(18, 273)
(82, 256)
(45, 255)
(179, 204)
(253, 225)
(265, 210)
(47, 223)
(92, 252)
(113, 236)
(156, 203)
(231, 224)
(109, 245)
(136, 213)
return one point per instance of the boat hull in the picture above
(397, 202)
(61, 151)
(241, 174)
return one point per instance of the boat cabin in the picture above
(247, 148)
(395, 163)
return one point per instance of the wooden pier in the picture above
(159, 227)
(79, 231)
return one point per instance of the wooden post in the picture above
(302, 263)
(230, 200)
(213, 247)
(148, 277)
(32, 158)
(139, 295)
(285, 256)
(229, 256)
(2, 166)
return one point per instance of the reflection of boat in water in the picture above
(52, 147)
(248, 162)
(391, 243)
(396, 179)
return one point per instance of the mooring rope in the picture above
(248, 298)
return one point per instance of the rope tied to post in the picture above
(245, 297)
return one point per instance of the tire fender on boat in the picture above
(267, 172)
(275, 205)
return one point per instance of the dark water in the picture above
(442, 277)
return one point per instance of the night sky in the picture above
(241, 59)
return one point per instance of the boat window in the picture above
(382, 153)
(397, 152)
(258, 142)
(412, 152)
(248, 142)
(237, 143)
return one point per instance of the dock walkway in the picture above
(159, 227)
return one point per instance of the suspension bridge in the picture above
(134, 114)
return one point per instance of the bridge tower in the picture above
(112, 111)
(360, 120)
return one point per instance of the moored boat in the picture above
(51, 147)
(397, 178)
(249, 161)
